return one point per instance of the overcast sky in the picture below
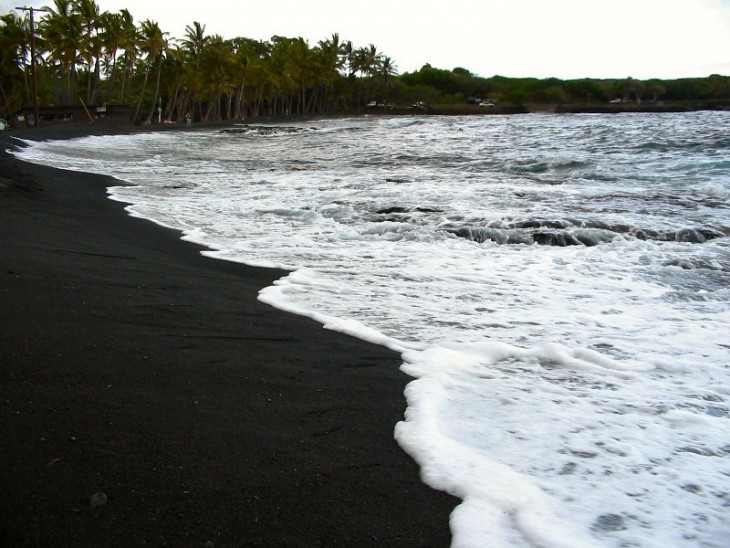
(541, 38)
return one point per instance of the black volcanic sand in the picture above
(149, 399)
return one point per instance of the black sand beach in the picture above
(149, 399)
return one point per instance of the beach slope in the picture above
(149, 399)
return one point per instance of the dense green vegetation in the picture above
(459, 86)
(96, 57)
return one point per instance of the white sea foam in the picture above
(571, 396)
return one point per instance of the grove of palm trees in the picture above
(83, 54)
(86, 56)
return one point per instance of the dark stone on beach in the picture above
(98, 499)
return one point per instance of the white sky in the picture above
(542, 38)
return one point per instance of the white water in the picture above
(572, 396)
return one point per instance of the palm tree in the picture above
(194, 42)
(246, 60)
(154, 44)
(217, 77)
(349, 55)
(302, 71)
(261, 77)
(333, 56)
(370, 60)
(175, 81)
(60, 32)
(388, 70)
(367, 62)
(14, 50)
(90, 44)
(335, 52)
(130, 41)
(111, 33)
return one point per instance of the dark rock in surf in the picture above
(262, 130)
(391, 210)
(559, 239)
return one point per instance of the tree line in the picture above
(83, 54)
(460, 86)
(86, 55)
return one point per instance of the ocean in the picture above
(558, 287)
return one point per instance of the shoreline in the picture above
(149, 398)
(65, 130)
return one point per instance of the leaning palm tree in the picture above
(246, 57)
(129, 45)
(90, 43)
(154, 44)
(175, 82)
(194, 43)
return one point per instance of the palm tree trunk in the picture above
(141, 95)
(172, 104)
(112, 77)
(5, 98)
(71, 86)
(148, 121)
(27, 87)
(89, 81)
(212, 102)
(230, 105)
(312, 100)
(183, 106)
(240, 107)
(97, 73)
(257, 102)
(125, 78)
